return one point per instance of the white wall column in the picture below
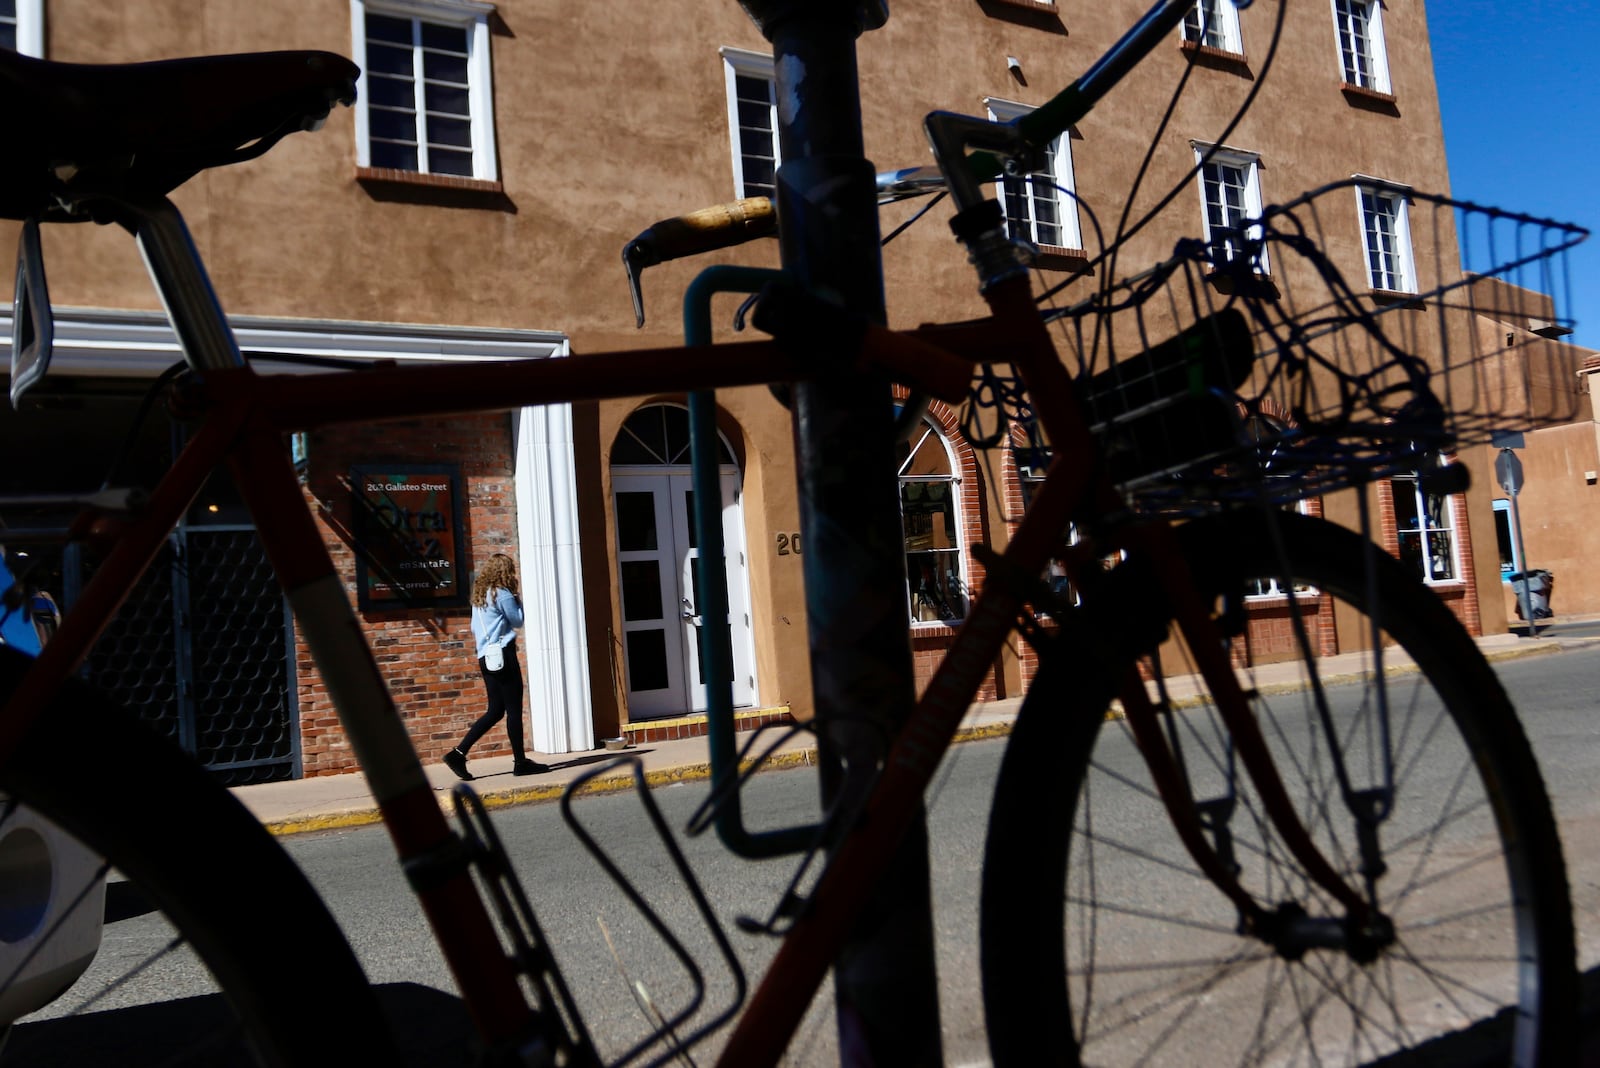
(552, 581)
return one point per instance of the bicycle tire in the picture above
(1065, 852)
(232, 893)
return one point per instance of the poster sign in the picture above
(407, 521)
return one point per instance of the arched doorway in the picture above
(657, 561)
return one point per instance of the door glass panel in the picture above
(636, 522)
(647, 660)
(641, 590)
(688, 510)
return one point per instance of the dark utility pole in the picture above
(854, 558)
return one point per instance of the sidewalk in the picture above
(338, 801)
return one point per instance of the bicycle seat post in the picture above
(853, 560)
(180, 277)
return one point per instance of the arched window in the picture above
(659, 435)
(930, 517)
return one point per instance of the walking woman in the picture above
(496, 618)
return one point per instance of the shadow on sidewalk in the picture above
(434, 1030)
(1487, 1045)
(431, 1027)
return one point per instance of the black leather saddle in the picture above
(77, 132)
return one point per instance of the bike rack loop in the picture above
(711, 592)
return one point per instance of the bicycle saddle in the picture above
(79, 131)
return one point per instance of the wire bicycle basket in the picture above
(1355, 332)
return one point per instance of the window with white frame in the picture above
(1386, 236)
(1214, 24)
(22, 26)
(1230, 198)
(1041, 207)
(1362, 57)
(752, 122)
(1426, 525)
(930, 517)
(425, 103)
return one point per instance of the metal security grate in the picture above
(241, 689)
(201, 652)
(136, 659)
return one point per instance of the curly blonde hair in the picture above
(499, 572)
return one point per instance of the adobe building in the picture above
(473, 205)
(1548, 523)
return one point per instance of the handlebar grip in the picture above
(711, 228)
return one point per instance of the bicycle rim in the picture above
(244, 958)
(1150, 967)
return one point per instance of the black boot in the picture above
(456, 761)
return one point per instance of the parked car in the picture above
(49, 928)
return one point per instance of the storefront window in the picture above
(1502, 532)
(1426, 525)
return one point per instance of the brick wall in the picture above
(425, 654)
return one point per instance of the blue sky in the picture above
(1519, 91)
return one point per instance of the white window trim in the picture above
(1227, 24)
(1065, 180)
(30, 28)
(1380, 50)
(471, 15)
(1403, 253)
(737, 61)
(1206, 153)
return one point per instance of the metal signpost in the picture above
(1508, 472)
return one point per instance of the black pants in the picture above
(505, 702)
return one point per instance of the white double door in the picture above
(658, 561)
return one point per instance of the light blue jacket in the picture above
(497, 622)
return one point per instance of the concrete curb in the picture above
(366, 816)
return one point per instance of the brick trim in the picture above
(393, 176)
(1361, 92)
(1211, 52)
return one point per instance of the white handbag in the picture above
(494, 658)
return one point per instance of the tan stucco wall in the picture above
(609, 120)
(1559, 506)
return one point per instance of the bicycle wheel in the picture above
(231, 897)
(1150, 966)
